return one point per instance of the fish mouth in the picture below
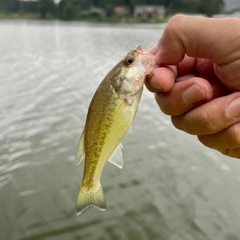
(140, 50)
(147, 59)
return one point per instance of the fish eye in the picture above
(129, 60)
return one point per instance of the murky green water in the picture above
(171, 187)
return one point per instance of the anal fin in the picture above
(117, 157)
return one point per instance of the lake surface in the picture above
(170, 188)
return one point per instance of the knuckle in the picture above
(207, 122)
(201, 124)
(174, 21)
(169, 105)
(171, 29)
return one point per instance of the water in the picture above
(171, 187)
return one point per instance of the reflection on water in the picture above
(170, 188)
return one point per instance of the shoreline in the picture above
(37, 16)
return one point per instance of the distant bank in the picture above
(37, 16)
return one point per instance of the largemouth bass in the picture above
(110, 115)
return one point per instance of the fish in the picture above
(110, 115)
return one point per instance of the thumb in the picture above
(200, 37)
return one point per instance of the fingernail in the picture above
(233, 109)
(194, 94)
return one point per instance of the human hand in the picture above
(198, 81)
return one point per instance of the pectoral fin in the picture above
(80, 149)
(117, 157)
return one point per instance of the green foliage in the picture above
(29, 7)
(210, 7)
(46, 7)
(187, 6)
(68, 12)
(9, 5)
(65, 10)
(109, 8)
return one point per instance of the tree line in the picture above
(77, 9)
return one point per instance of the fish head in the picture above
(133, 70)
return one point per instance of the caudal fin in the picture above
(90, 198)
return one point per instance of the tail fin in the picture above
(90, 198)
